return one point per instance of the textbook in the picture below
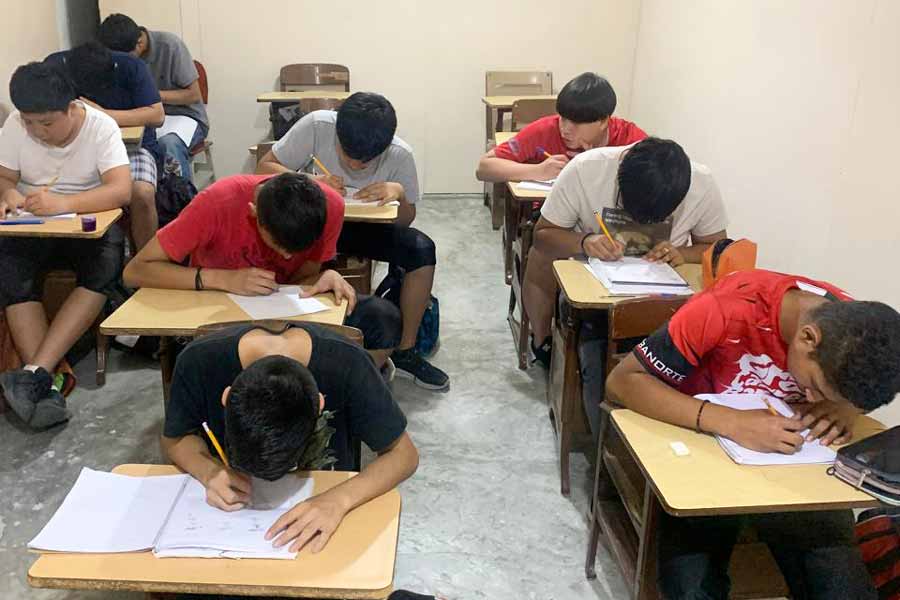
(810, 453)
(638, 238)
(631, 276)
(106, 512)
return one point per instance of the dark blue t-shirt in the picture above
(132, 86)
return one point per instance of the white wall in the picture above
(794, 105)
(29, 31)
(428, 58)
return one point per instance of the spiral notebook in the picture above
(632, 276)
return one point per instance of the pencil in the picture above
(52, 182)
(215, 442)
(320, 165)
(774, 412)
(603, 227)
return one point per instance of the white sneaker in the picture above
(388, 371)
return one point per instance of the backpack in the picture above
(283, 115)
(878, 535)
(173, 193)
(428, 336)
(872, 465)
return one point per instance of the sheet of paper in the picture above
(104, 512)
(810, 453)
(24, 214)
(199, 530)
(620, 289)
(286, 302)
(180, 125)
(538, 186)
(349, 200)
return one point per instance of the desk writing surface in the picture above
(132, 135)
(583, 290)
(153, 311)
(708, 482)
(525, 195)
(507, 101)
(302, 95)
(371, 213)
(501, 137)
(65, 228)
(358, 561)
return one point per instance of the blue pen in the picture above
(23, 222)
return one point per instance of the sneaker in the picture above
(50, 411)
(412, 366)
(23, 389)
(388, 370)
(542, 352)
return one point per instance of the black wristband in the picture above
(584, 239)
(700, 412)
(198, 281)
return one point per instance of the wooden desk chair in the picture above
(316, 76)
(526, 110)
(519, 324)
(204, 146)
(516, 83)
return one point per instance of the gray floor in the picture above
(482, 517)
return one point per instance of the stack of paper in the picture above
(632, 276)
(286, 302)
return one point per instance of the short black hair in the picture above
(860, 350)
(270, 415)
(586, 99)
(293, 209)
(366, 124)
(40, 87)
(119, 32)
(654, 177)
(91, 67)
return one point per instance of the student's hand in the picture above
(11, 202)
(251, 282)
(336, 182)
(43, 202)
(332, 281)
(829, 422)
(316, 518)
(761, 431)
(598, 245)
(227, 490)
(665, 252)
(551, 167)
(382, 192)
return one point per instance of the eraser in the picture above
(679, 448)
(89, 223)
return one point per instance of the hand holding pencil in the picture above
(602, 245)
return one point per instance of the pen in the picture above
(603, 227)
(215, 442)
(320, 165)
(23, 222)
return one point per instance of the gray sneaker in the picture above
(24, 389)
(50, 411)
(412, 366)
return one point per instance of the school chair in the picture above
(519, 324)
(316, 76)
(526, 110)
(204, 146)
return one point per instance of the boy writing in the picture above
(790, 337)
(57, 155)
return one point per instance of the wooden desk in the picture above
(503, 104)
(65, 228)
(501, 137)
(360, 213)
(132, 135)
(582, 290)
(358, 561)
(302, 95)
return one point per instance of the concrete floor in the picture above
(482, 517)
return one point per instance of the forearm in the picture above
(180, 96)
(406, 212)
(558, 243)
(6, 185)
(146, 115)
(190, 454)
(105, 197)
(267, 167)
(168, 275)
(493, 169)
(694, 253)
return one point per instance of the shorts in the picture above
(143, 165)
(399, 245)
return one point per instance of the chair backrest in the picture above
(526, 110)
(636, 318)
(518, 83)
(279, 325)
(317, 76)
(204, 84)
(726, 256)
(308, 105)
(262, 149)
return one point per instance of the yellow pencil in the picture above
(603, 227)
(212, 438)
(774, 412)
(547, 154)
(320, 165)
(52, 182)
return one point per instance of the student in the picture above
(121, 86)
(358, 146)
(173, 69)
(261, 394)
(652, 181)
(57, 155)
(790, 337)
(247, 234)
(584, 121)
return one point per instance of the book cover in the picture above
(638, 238)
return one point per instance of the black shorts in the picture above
(97, 264)
(398, 245)
(378, 319)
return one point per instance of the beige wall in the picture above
(30, 33)
(794, 107)
(428, 58)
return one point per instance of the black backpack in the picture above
(173, 193)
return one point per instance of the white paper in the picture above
(24, 214)
(286, 302)
(349, 200)
(810, 453)
(601, 270)
(183, 126)
(196, 529)
(105, 512)
(538, 186)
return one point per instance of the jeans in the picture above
(173, 146)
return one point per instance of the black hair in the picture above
(293, 209)
(270, 415)
(654, 177)
(366, 124)
(119, 32)
(859, 351)
(40, 87)
(586, 99)
(91, 67)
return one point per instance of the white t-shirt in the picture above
(96, 149)
(589, 183)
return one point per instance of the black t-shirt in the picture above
(353, 388)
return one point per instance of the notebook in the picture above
(349, 200)
(810, 453)
(286, 302)
(632, 276)
(105, 512)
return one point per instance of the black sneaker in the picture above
(542, 352)
(50, 411)
(24, 389)
(412, 366)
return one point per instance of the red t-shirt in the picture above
(544, 134)
(217, 231)
(727, 339)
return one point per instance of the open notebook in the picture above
(349, 200)
(105, 512)
(286, 302)
(632, 276)
(810, 453)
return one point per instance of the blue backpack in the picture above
(427, 339)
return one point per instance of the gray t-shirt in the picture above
(173, 68)
(315, 134)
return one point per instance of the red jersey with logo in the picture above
(543, 135)
(217, 231)
(727, 339)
